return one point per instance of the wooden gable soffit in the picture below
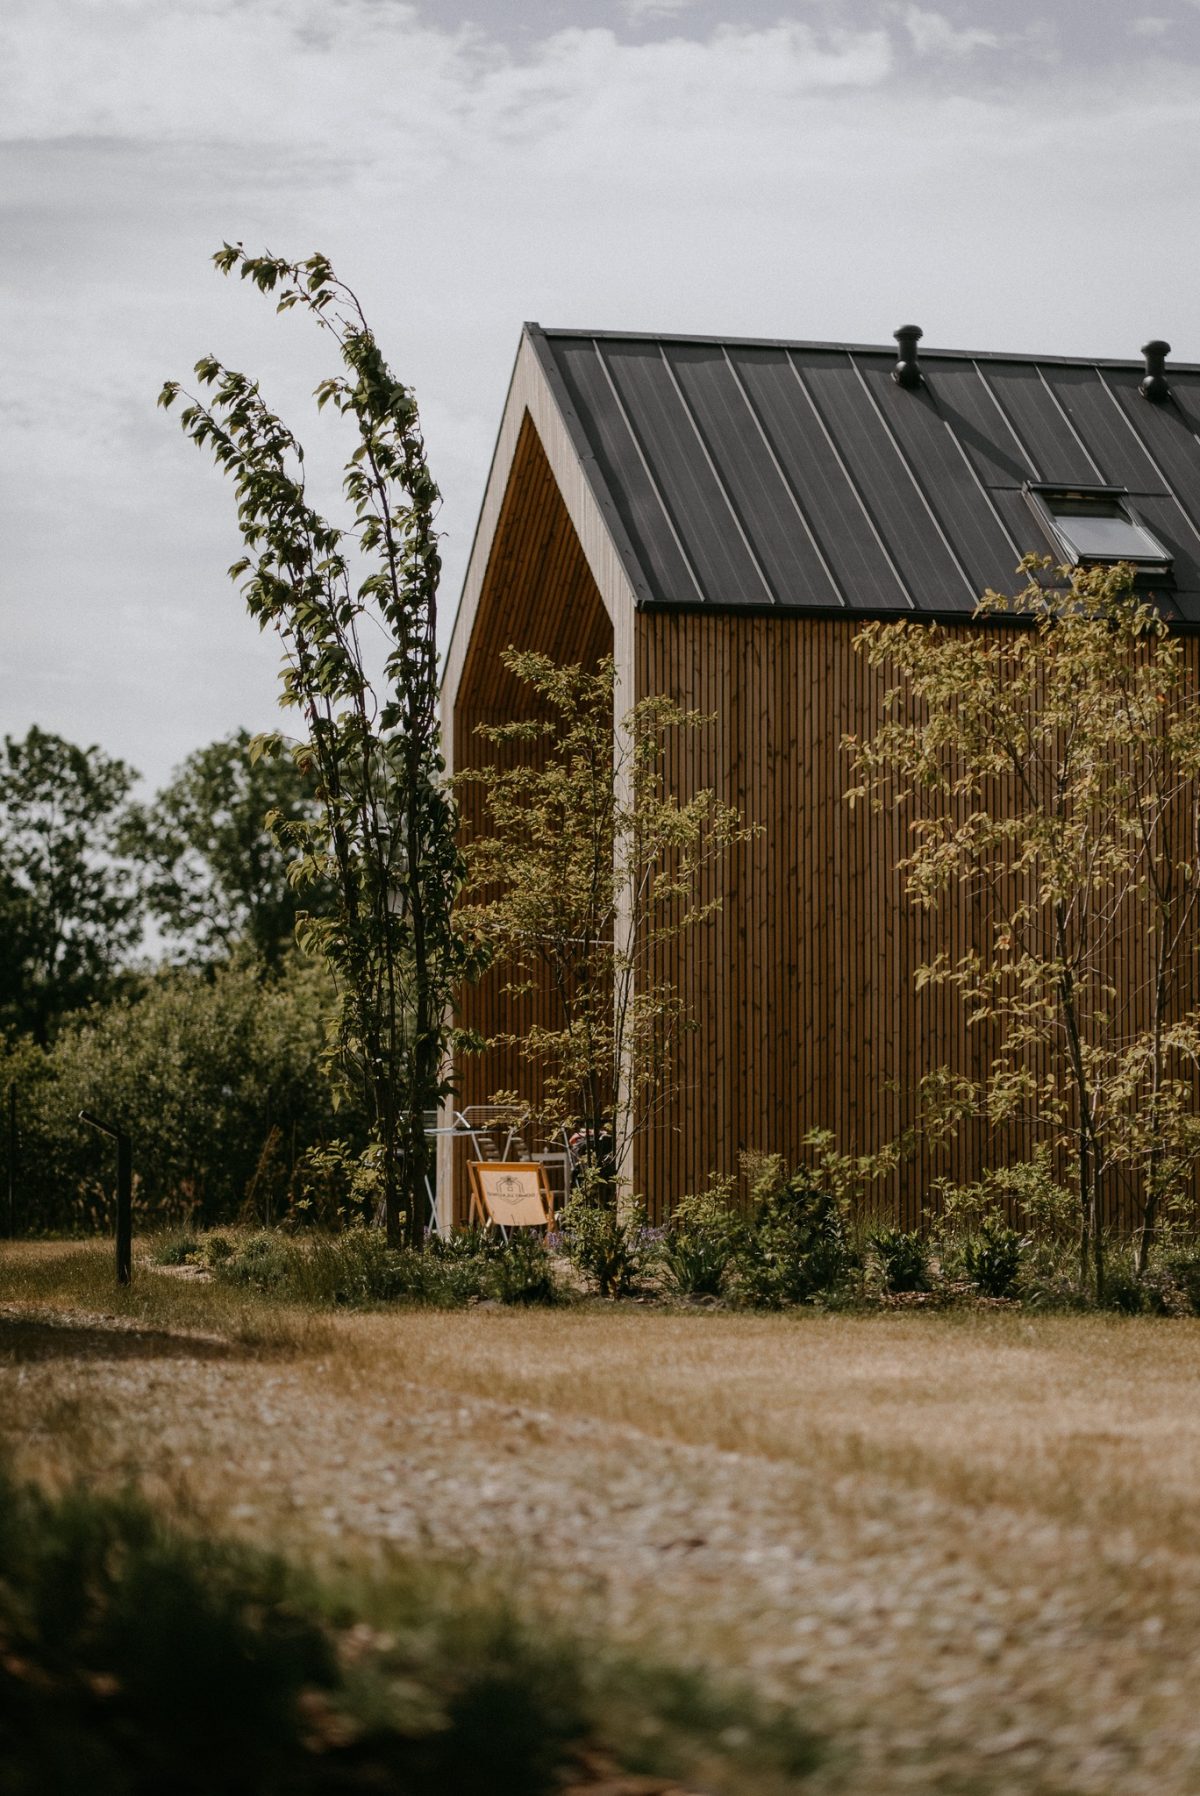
(535, 392)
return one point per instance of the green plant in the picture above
(385, 847)
(216, 1249)
(356, 1268)
(992, 1258)
(1123, 1289)
(903, 1258)
(600, 1241)
(1155, 1292)
(118, 1639)
(521, 1273)
(702, 1240)
(352, 1269)
(797, 1246)
(338, 1183)
(1181, 1263)
(180, 1249)
(188, 1249)
(1029, 1190)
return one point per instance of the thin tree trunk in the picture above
(1155, 1162)
(1085, 1232)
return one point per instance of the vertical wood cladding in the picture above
(801, 988)
(538, 594)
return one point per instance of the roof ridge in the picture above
(723, 340)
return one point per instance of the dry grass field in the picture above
(967, 1548)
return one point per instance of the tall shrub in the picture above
(386, 841)
(1053, 768)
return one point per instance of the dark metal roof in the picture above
(745, 474)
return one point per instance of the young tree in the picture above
(1054, 767)
(386, 841)
(215, 873)
(69, 905)
(586, 867)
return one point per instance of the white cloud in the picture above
(932, 34)
(263, 72)
(1151, 27)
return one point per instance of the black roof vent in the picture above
(907, 372)
(1154, 383)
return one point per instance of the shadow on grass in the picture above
(24, 1339)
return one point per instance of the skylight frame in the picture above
(1154, 559)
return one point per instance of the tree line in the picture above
(85, 867)
(211, 1048)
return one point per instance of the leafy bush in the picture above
(216, 1249)
(602, 1244)
(1123, 1290)
(521, 1273)
(1027, 1189)
(357, 1268)
(353, 1269)
(796, 1247)
(1158, 1291)
(218, 1078)
(180, 1248)
(337, 1184)
(992, 1258)
(1181, 1265)
(903, 1259)
(702, 1240)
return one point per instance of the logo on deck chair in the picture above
(508, 1190)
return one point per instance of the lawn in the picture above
(965, 1548)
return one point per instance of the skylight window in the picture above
(1097, 524)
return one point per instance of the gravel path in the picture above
(947, 1648)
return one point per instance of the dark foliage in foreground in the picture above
(136, 1658)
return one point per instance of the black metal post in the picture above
(124, 1193)
(12, 1160)
(124, 1208)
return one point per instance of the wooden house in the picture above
(722, 515)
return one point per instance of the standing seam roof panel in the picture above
(1167, 432)
(833, 507)
(931, 574)
(735, 442)
(956, 496)
(694, 496)
(620, 466)
(1118, 452)
(1046, 435)
(961, 398)
(721, 462)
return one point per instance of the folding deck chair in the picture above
(510, 1194)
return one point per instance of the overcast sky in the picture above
(1015, 178)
